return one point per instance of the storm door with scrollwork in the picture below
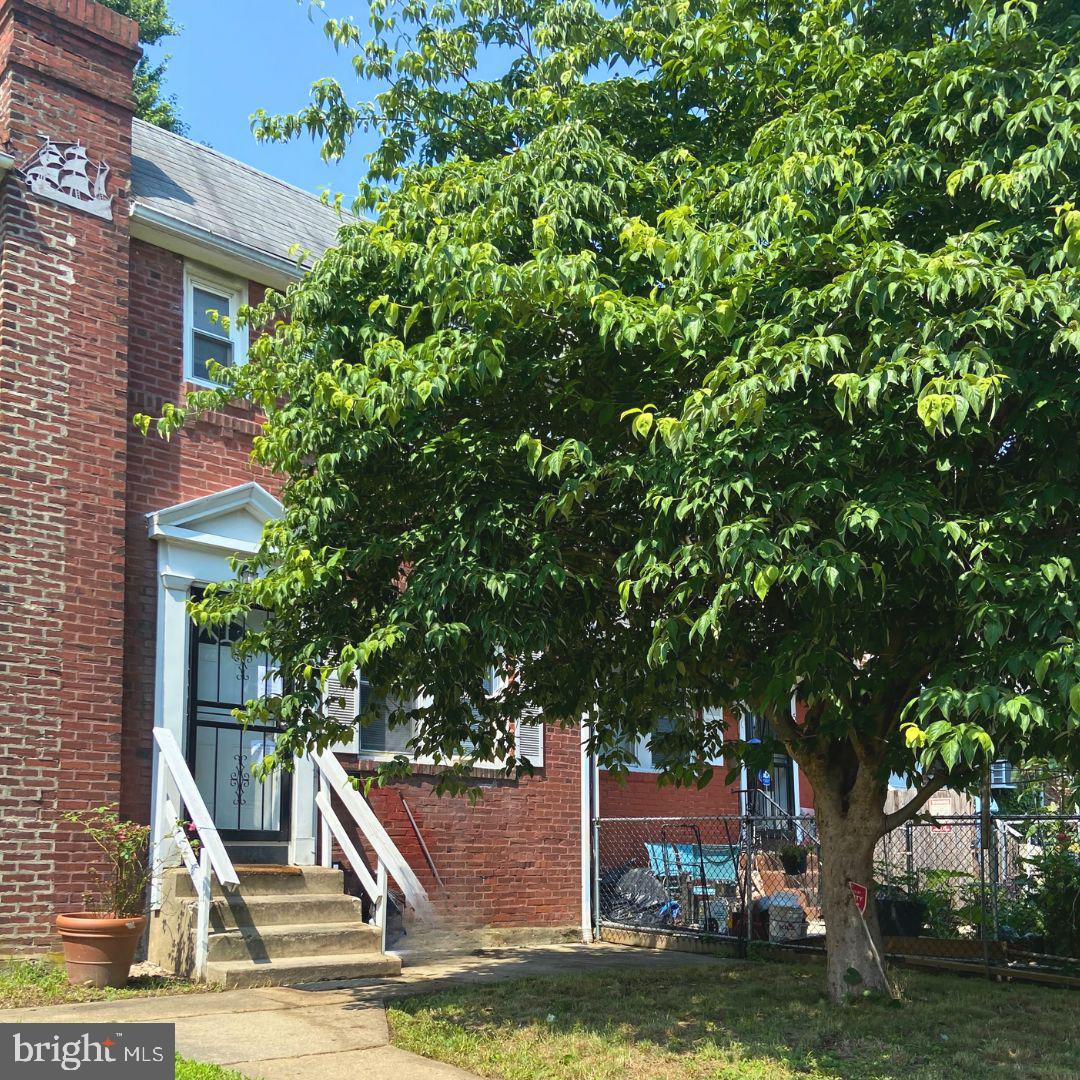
(221, 751)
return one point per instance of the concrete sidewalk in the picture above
(275, 1033)
(334, 1031)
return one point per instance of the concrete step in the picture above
(298, 970)
(280, 942)
(290, 909)
(273, 881)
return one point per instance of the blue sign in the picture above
(764, 778)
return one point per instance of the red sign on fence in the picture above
(858, 893)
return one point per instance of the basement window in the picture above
(211, 332)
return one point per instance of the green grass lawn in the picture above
(197, 1070)
(744, 1021)
(26, 983)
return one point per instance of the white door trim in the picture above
(195, 541)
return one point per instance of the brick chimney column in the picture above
(65, 118)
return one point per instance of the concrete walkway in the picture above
(334, 1031)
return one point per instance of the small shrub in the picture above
(943, 892)
(1018, 913)
(118, 892)
(1055, 892)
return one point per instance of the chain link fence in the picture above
(997, 891)
(983, 889)
(700, 876)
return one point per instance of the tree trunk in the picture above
(854, 956)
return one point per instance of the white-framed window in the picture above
(377, 740)
(206, 337)
(528, 731)
(648, 761)
(377, 737)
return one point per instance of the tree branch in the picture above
(910, 809)
(789, 731)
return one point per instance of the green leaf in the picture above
(765, 579)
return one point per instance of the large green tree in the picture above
(694, 354)
(151, 102)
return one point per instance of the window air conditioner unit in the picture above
(1002, 775)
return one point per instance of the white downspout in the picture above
(744, 802)
(796, 794)
(586, 833)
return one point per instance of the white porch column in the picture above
(302, 842)
(174, 632)
(170, 710)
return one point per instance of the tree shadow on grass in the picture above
(752, 1019)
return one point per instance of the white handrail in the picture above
(378, 887)
(389, 858)
(337, 830)
(193, 800)
(212, 859)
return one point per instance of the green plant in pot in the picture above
(903, 905)
(793, 858)
(100, 942)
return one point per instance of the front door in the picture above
(221, 751)
(771, 791)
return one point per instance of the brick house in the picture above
(116, 238)
(782, 792)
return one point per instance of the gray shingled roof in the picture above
(198, 187)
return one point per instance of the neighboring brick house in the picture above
(783, 791)
(115, 240)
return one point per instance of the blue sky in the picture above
(234, 56)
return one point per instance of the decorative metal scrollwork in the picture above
(240, 778)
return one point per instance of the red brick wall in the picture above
(513, 858)
(205, 458)
(641, 796)
(65, 71)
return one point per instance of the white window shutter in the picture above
(529, 740)
(342, 706)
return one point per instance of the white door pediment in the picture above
(228, 521)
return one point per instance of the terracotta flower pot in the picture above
(99, 950)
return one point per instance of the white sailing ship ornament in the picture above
(63, 172)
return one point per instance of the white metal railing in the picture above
(388, 859)
(212, 860)
(797, 821)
